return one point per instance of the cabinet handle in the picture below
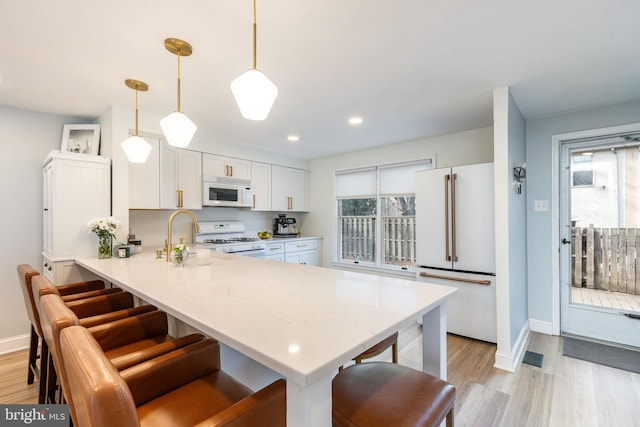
(454, 252)
(226, 170)
(179, 198)
(231, 170)
(254, 201)
(275, 249)
(301, 246)
(456, 279)
(289, 202)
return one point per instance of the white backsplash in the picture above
(150, 226)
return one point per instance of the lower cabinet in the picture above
(64, 272)
(302, 252)
(294, 251)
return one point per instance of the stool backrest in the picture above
(101, 397)
(25, 276)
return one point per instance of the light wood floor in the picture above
(564, 392)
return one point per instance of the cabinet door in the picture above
(310, 257)
(288, 189)
(261, 183)
(144, 180)
(47, 217)
(227, 167)
(168, 176)
(213, 165)
(293, 257)
(189, 179)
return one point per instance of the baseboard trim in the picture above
(541, 326)
(11, 344)
(509, 361)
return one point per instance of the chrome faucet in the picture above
(196, 228)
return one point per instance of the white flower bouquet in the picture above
(105, 228)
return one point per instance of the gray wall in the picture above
(538, 154)
(517, 224)
(25, 139)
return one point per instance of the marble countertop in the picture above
(301, 321)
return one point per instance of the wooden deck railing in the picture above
(606, 258)
(358, 239)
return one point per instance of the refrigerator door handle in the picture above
(446, 217)
(453, 217)
(455, 279)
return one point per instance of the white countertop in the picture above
(301, 321)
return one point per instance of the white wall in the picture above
(539, 225)
(26, 139)
(474, 146)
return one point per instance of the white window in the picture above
(582, 170)
(376, 215)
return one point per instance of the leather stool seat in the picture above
(386, 394)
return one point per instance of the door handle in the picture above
(447, 257)
(565, 241)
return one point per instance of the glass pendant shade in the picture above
(178, 129)
(136, 149)
(254, 94)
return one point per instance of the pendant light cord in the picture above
(255, 31)
(137, 110)
(178, 80)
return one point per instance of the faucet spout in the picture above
(196, 228)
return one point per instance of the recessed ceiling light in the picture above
(355, 120)
(293, 138)
(587, 153)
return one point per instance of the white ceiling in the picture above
(410, 68)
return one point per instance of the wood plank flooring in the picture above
(602, 298)
(564, 392)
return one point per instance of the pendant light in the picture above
(136, 148)
(177, 127)
(253, 91)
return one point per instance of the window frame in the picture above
(379, 264)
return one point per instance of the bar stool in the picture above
(385, 394)
(183, 388)
(126, 342)
(390, 341)
(26, 273)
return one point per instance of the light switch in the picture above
(540, 205)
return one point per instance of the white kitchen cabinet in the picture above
(275, 251)
(302, 252)
(144, 179)
(289, 188)
(261, 183)
(180, 178)
(171, 178)
(226, 167)
(76, 189)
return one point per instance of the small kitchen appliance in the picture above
(229, 237)
(285, 227)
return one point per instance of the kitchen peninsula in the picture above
(302, 322)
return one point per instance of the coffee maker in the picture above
(285, 227)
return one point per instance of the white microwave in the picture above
(226, 192)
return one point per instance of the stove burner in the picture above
(231, 240)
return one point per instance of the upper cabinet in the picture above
(289, 188)
(226, 167)
(171, 178)
(261, 183)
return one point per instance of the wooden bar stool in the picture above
(390, 341)
(385, 394)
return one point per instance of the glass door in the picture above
(600, 232)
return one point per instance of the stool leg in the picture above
(42, 380)
(450, 418)
(33, 355)
(394, 352)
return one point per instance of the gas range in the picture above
(229, 237)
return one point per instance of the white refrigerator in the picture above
(455, 244)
